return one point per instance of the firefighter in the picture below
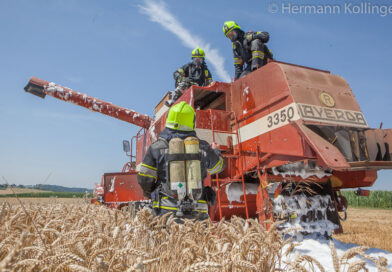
(249, 49)
(153, 177)
(192, 73)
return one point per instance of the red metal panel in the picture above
(258, 90)
(285, 145)
(122, 187)
(141, 147)
(203, 119)
(233, 210)
(220, 120)
(307, 84)
(355, 179)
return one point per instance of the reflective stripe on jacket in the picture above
(168, 204)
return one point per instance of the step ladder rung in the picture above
(230, 156)
(224, 184)
(233, 206)
(228, 180)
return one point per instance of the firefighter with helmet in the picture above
(156, 175)
(192, 73)
(249, 49)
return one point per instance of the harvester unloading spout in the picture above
(41, 88)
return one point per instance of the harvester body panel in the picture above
(121, 188)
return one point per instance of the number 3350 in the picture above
(281, 116)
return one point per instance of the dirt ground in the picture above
(368, 227)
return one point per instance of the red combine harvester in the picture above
(291, 137)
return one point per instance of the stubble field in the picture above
(368, 227)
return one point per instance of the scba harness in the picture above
(183, 187)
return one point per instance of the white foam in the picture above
(234, 191)
(301, 205)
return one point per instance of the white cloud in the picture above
(158, 13)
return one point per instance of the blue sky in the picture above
(121, 52)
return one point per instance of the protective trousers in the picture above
(258, 54)
(258, 57)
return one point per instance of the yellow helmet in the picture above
(229, 26)
(198, 53)
(181, 117)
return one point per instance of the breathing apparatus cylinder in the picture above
(177, 169)
(193, 169)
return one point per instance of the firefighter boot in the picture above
(169, 102)
(173, 96)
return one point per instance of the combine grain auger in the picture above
(41, 88)
(292, 137)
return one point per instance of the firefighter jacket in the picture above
(152, 173)
(197, 75)
(249, 49)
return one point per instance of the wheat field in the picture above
(20, 191)
(39, 236)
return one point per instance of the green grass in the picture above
(49, 194)
(376, 199)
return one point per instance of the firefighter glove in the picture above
(180, 79)
(154, 194)
(146, 194)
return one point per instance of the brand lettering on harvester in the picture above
(338, 116)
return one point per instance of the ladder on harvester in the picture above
(221, 183)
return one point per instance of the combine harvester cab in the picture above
(291, 136)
